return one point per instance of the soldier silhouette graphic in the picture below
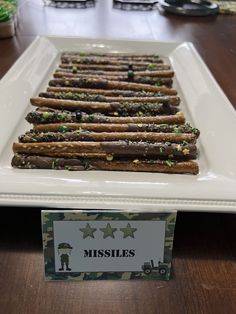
(64, 251)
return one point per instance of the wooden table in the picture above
(204, 270)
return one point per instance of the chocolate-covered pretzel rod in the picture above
(114, 57)
(110, 54)
(107, 92)
(166, 81)
(104, 67)
(183, 167)
(109, 61)
(99, 118)
(85, 135)
(44, 162)
(172, 100)
(75, 73)
(48, 115)
(105, 84)
(116, 148)
(110, 127)
(118, 109)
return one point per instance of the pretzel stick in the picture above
(119, 109)
(107, 61)
(104, 67)
(73, 73)
(175, 119)
(183, 167)
(37, 117)
(70, 104)
(42, 162)
(117, 148)
(114, 57)
(105, 84)
(123, 78)
(109, 54)
(110, 127)
(107, 92)
(85, 135)
(172, 100)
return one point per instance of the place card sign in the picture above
(95, 244)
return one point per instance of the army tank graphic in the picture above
(149, 267)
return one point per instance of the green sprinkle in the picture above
(158, 94)
(130, 74)
(63, 129)
(195, 131)
(169, 163)
(45, 114)
(61, 116)
(74, 70)
(177, 131)
(151, 67)
(91, 118)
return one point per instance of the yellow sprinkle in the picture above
(140, 113)
(140, 125)
(109, 157)
(186, 151)
(136, 161)
(179, 148)
(116, 114)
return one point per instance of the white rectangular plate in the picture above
(205, 107)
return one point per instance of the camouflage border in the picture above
(49, 216)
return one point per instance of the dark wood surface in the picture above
(204, 270)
